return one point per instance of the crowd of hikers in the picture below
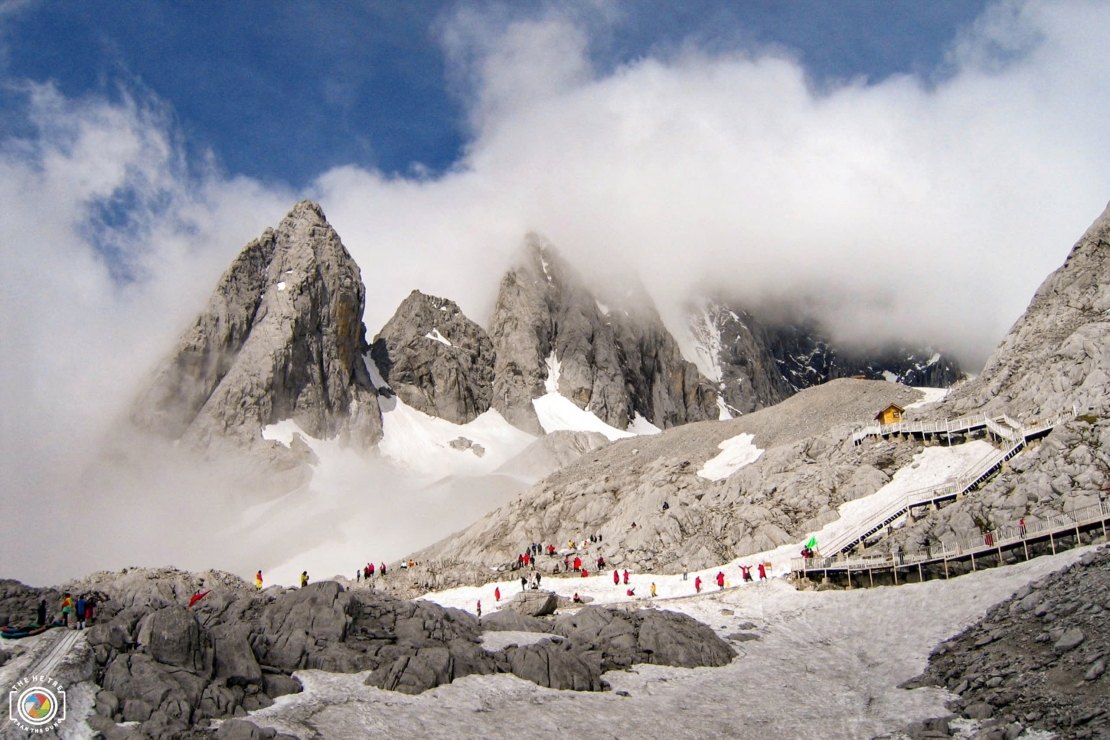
(576, 559)
(81, 609)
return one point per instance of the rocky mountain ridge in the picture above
(281, 338)
(806, 464)
(759, 361)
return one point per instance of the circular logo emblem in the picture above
(37, 706)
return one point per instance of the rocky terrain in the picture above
(1036, 661)
(808, 468)
(760, 360)
(169, 668)
(1053, 359)
(281, 338)
(435, 359)
(616, 358)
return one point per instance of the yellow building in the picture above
(892, 414)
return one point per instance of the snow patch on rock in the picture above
(640, 425)
(736, 452)
(436, 336)
(558, 413)
(421, 443)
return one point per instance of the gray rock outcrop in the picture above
(436, 359)
(1056, 356)
(1038, 659)
(758, 361)
(281, 338)
(617, 360)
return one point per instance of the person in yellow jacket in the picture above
(258, 581)
(304, 579)
(67, 608)
(653, 589)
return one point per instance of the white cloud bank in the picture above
(925, 210)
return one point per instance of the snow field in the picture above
(826, 666)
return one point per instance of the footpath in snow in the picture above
(932, 466)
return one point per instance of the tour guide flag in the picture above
(812, 544)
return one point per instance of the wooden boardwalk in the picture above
(991, 548)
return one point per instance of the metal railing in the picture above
(1004, 426)
(923, 496)
(965, 546)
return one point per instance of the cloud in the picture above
(927, 209)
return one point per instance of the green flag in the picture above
(812, 544)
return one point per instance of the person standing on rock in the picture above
(67, 607)
(479, 607)
(523, 583)
(497, 594)
(382, 570)
(577, 564)
(697, 584)
(304, 578)
(616, 578)
(42, 613)
(358, 575)
(539, 579)
(720, 579)
(258, 581)
(685, 572)
(762, 572)
(81, 604)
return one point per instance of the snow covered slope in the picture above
(435, 447)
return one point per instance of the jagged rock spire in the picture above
(281, 338)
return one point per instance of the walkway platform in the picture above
(1061, 531)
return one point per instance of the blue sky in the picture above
(284, 91)
(909, 171)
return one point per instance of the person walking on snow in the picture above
(304, 578)
(479, 607)
(626, 577)
(497, 594)
(616, 578)
(685, 572)
(746, 572)
(720, 579)
(697, 584)
(762, 572)
(258, 581)
(653, 589)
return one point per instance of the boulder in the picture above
(510, 620)
(276, 685)
(534, 603)
(172, 636)
(234, 659)
(555, 666)
(679, 640)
